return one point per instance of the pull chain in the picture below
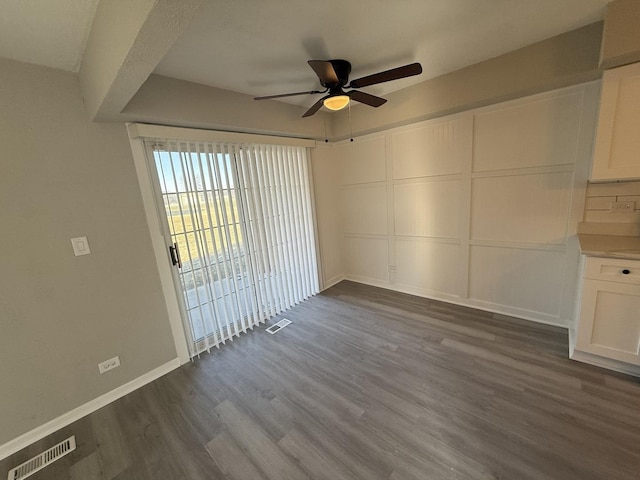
(326, 140)
(350, 126)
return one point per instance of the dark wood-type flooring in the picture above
(369, 384)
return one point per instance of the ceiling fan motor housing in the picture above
(342, 69)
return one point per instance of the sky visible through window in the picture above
(179, 170)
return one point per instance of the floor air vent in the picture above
(278, 326)
(47, 457)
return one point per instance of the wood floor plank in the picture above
(313, 458)
(113, 454)
(369, 384)
(263, 452)
(231, 459)
(342, 440)
(88, 468)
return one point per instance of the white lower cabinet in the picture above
(609, 323)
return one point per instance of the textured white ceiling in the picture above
(52, 33)
(260, 47)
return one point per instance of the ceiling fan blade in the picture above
(316, 106)
(324, 70)
(388, 75)
(268, 97)
(366, 98)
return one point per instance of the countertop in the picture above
(611, 246)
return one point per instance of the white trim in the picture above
(160, 247)
(333, 281)
(68, 418)
(530, 315)
(143, 130)
(607, 363)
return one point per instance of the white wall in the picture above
(479, 208)
(326, 184)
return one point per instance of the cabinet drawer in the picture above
(613, 270)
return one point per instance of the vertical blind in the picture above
(241, 216)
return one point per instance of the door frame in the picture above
(160, 243)
(155, 214)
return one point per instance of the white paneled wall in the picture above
(365, 209)
(430, 167)
(535, 133)
(367, 258)
(441, 142)
(367, 165)
(522, 207)
(479, 208)
(520, 278)
(428, 209)
(428, 266)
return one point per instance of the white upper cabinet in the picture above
(617, 150)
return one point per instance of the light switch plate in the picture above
(80, 246)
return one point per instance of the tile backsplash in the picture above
(598, 216)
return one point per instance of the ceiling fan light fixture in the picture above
(334, 75)
(337, 102)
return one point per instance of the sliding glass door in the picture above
(241, 233)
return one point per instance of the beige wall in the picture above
(62, 177)
(168, 101)
(557, 62)
(560, 61)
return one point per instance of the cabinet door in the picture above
(610, 320)
(617, 149)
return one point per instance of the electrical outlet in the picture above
(623, 206)
(109, 364)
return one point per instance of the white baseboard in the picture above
(333, 281)
(68, 418)
(533, 316)
(607, 363)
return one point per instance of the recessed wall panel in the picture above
(523, 208)
(427, 265)
(367, 258)
(527, 279)
(434, 149)
(532, 134)
(363, 161)
(428, 209)
(365, 209)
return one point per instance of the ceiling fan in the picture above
(334, 76)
